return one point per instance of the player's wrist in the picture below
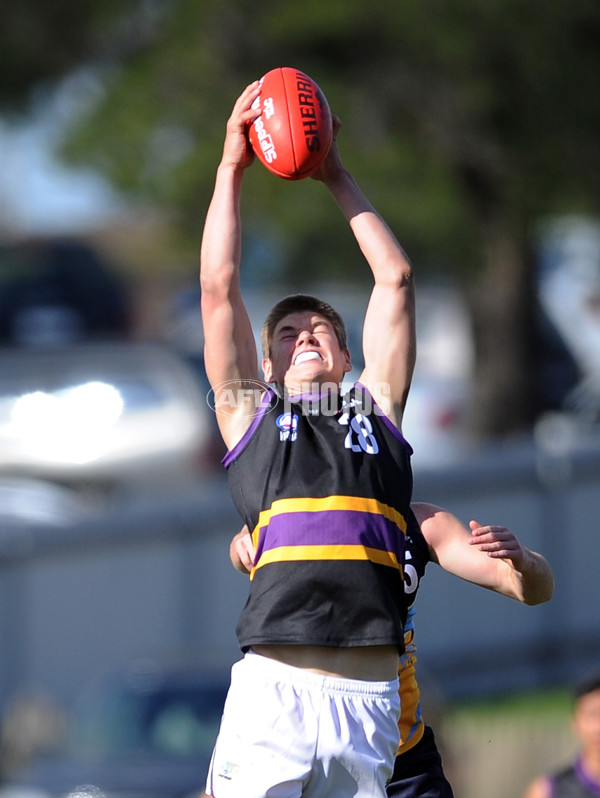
(232, 166)
(339, 178)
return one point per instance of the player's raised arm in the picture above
(489, 556)
(230, 351)
(389, 327)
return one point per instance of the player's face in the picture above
(586, 722)
(305, 351)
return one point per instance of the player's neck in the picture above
(311, 388)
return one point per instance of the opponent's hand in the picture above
(237, 151)
(499, 542)
(241, 551)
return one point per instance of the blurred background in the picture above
(475, 129)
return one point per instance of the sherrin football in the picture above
(293, 133)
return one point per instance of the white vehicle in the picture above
(105, 414)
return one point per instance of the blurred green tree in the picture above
(466, 122)
(41, 42)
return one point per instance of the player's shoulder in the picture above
(239, 406)
(540, 787)
(374, 398)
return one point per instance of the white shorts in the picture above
(287, 732)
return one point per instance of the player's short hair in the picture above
(589, 684)
(299, 303)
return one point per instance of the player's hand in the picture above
(237, 151)
(332, 165)
(500, 543)
(242, 551)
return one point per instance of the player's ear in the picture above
(267, 369)
(347, 360)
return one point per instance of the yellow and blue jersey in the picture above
(412, 724)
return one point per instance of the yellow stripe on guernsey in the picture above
(411, 722)
(290, 553)
(327, 552)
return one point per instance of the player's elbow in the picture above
(214, 282)
(537, 580)
(541, 593)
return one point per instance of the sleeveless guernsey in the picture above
(326, 492)
(572, 782)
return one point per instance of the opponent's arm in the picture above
(489, 556)
(241, 551)
(389, 327)
(229, 349)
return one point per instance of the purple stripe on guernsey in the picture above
(333, 528)
(389, 424)
(263, 409)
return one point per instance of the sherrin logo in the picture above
(264, 138)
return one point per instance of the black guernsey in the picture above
(326, 493)
(573, 782)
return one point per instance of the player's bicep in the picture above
(231, 364)
(229, 345)
(389, 347)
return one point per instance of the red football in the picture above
(293, 133)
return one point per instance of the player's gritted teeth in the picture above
(303, 357)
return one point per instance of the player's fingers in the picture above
(481, 534)
(242, 110)
(245, 551)
(249, 93)
(249, 550)
(492, 532)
